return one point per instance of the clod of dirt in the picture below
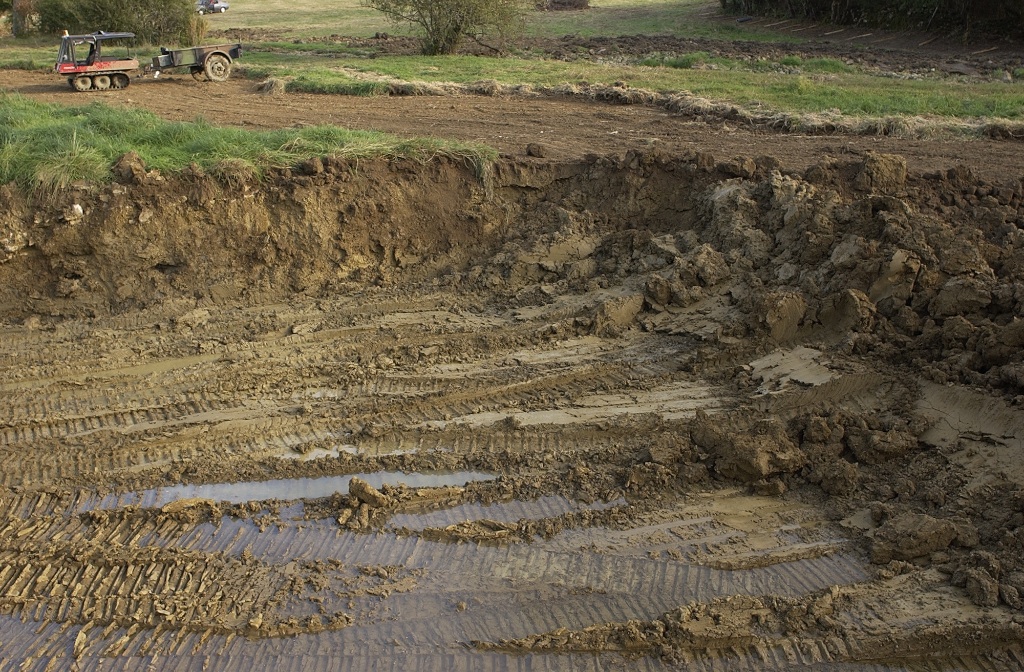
(750, 453)
(872, 446)
(909, 536)
(367, 494)
(882, 174)
(130, 169)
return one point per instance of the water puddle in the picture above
(287, 489)
(502, 512)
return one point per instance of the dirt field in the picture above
(665, 393)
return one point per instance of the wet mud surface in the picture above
(646, 408)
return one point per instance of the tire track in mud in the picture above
(145, 414)
(574, 589)
(86, 571)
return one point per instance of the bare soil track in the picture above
(674, 396)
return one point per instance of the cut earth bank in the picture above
(728, 412)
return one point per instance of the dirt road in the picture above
(651, 401)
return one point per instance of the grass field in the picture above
(52, 146)
(288, 43)
(292, 41)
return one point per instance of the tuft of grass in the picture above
(49, 147)
(23, 64)
(272, 86)
(684, 61)
(325, 81)
(69, 161)
(790, 63)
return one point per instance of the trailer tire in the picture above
(217, 67)
(198, 74)
(120, 81)
(82, 83)
(101, 82)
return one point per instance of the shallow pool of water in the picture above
(288, 488)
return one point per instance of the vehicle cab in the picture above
(84, 53)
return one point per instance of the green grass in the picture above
(52, 146)
(684, 18)
(301, 43)
(790, 84)
(790, 63)
(331, 82)
(816, 88)
(303, 18)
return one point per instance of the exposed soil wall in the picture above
(925, 263)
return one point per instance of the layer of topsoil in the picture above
(665, 393)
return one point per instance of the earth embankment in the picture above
(645, 407)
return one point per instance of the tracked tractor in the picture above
(87, 68)
(82, 61)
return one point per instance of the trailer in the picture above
(212, 62)
(82, 61)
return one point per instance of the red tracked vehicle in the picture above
(87, 68)
(82, 61)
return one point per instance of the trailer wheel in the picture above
(120, 81)
(217, 67)
(101, 82)
(82, 83)
(198, 74)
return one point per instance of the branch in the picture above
(482, 44)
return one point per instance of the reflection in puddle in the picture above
(288, 488)
(503, 512)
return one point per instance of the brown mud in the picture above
(667, 405)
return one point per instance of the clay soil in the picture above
(660, 393)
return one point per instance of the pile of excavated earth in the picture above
(646, 409)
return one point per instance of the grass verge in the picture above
(812, 87)
(44, 146)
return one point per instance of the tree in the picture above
(152, 21)
(446, 22)
(21, 14)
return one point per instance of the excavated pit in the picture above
(624, 412)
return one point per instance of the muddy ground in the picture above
(675, 395)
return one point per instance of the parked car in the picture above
(211, 6)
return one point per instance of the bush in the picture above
(446, 22)
(152, 21)
(1004, 17)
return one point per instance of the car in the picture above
(211, 6)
